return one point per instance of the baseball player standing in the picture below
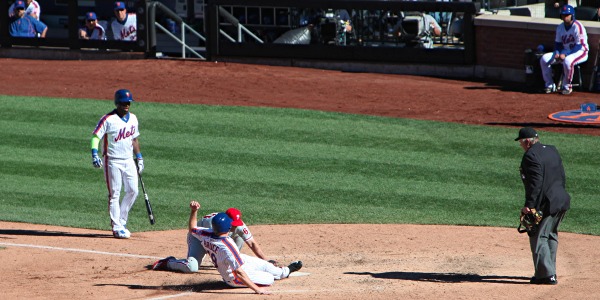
(124, 26)
(571, 48)
(119, 131)
(239, 233)
(236, 269)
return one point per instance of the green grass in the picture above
(279, 166)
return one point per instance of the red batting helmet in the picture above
(236, 215)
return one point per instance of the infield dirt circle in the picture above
(382, 262)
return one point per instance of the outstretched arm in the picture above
(243, 277)
(193, 222)
(253, 244)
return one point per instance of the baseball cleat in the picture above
(566, 91)
(295, 266)
(122, 234)
(548, 280)
(161, 264)
(550, 89)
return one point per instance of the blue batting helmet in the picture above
(221, 222)
(567, 10)
(123, 95)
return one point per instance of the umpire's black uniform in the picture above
(543, 175)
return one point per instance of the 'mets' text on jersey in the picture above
(118, 134)
(126, 30)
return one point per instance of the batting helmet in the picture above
(567, 10)
(236, 215)
(123, 95)
(221, 222)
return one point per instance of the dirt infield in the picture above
(389, 262)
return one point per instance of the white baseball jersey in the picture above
(126, 30)
(97, 33)
(227, 258)
(118, 142)
(575, 35)
(33, 7)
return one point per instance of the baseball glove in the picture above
(530, 221)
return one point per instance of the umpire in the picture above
(543, 176)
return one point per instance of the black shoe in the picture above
(548, 280)
(295, 266)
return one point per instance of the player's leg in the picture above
(195, 249)
(130, 181)
(546, 62)
(569, 67)
(189, 265)
(112, 174)
(252, 263)
(256, 275)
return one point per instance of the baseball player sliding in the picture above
(239, 233)
(119, 131)
(236, 269)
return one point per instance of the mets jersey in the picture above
(126, 30)
(33, 10)
(241, 231)
(27, 26)
(118, 134)
(572, 39)
(97, 33)
(221, 250)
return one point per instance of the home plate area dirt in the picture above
(341, 261)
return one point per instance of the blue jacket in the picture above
(27, 26)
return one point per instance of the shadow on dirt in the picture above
(190, 287)
(541, 125)
(507, 86)
(446, 277)
(52, 233)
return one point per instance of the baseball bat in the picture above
(594, 72)
(148, 206)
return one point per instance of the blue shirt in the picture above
(27, 26)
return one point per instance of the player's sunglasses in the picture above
(124, 103)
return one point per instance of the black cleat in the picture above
(548, 280)
(295, 266)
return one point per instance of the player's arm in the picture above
(253, 244)
(243, 277)
(136, 148)
(192, 222)
(96, 161)
(83, 34)
(43, 34)
(138, 155)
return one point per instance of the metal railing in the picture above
(184, 27)
(238, 26)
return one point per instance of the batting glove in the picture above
(140, 165)
(96, 160)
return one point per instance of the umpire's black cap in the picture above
(526, 132)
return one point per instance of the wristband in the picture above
(139, 155)
(94, 152)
